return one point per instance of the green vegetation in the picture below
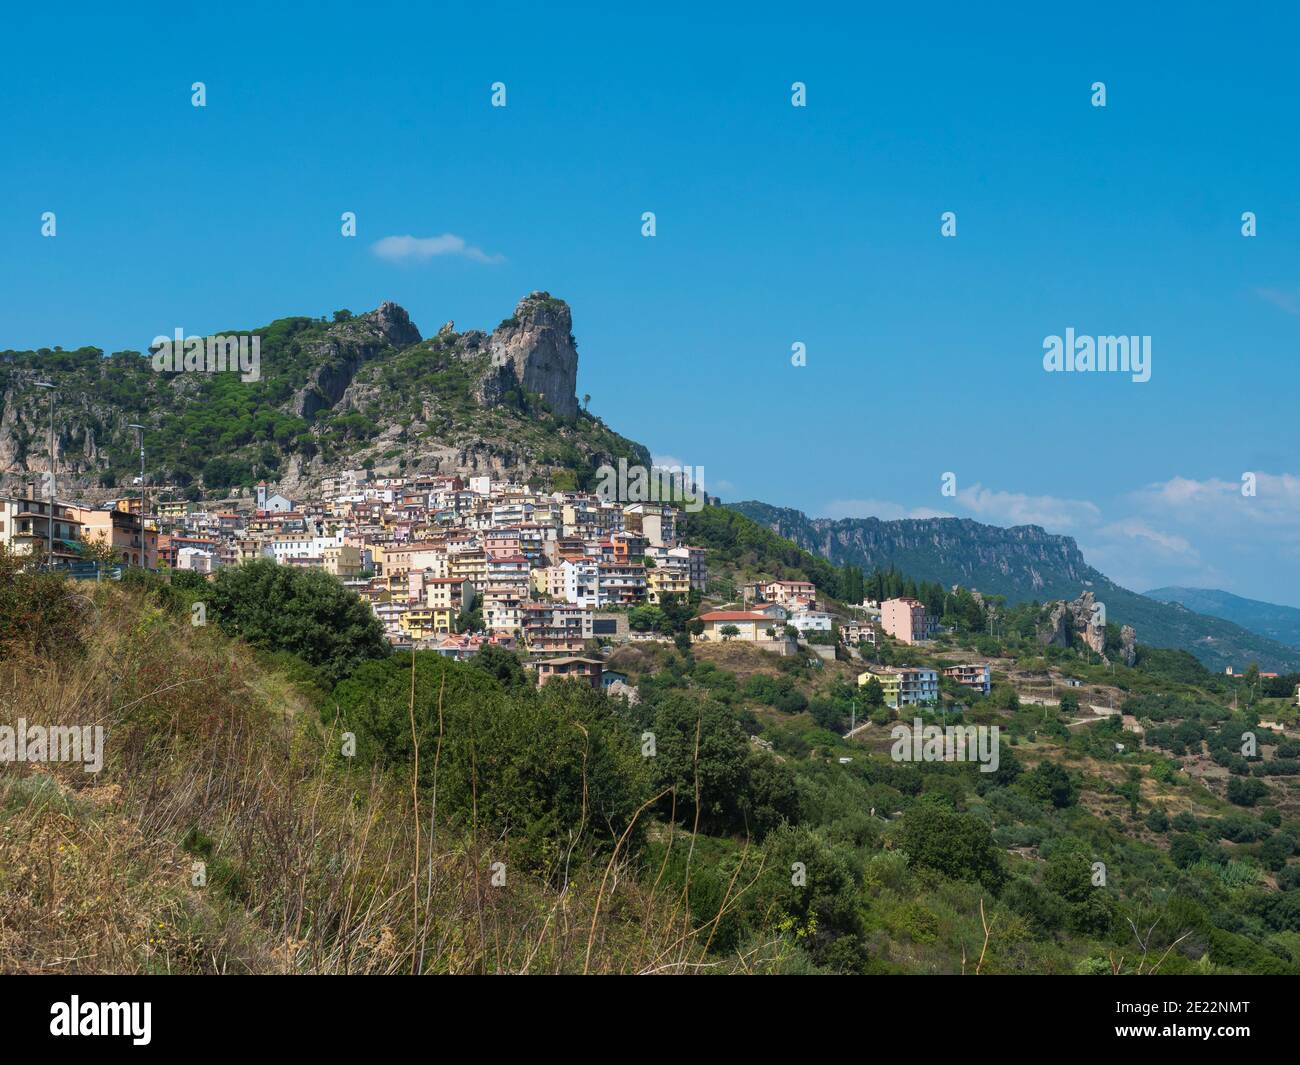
(724, 795)
(209, 433)
(306, 612)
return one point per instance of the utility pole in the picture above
(143, 555)
(49, 562)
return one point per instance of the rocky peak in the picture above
(537, 344)
(393, 324)
(1079, 620)
(345, 348)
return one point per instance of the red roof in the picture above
(732, 615)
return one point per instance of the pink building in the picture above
(905, 620)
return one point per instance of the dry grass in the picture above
(311, 867)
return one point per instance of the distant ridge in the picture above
(1277, 622)
(1024, 563)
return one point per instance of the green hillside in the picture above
(341, 393)
(1279, 623)
(1024, 564)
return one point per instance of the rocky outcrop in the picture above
(1058, 630)
(537, 347)
(348, 347)
(1128, 644)
(1079, 621)
(1075, 621)
(460, 402)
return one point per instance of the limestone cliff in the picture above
(537, 346)
(332, 393)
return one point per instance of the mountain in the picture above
(1280, 623)
(361, 389)
(1023, 563)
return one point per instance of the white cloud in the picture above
(876, 508)
(410, 249)
(1275, 502)
(1139, 556)
(1283, 299)
(1015, 508)
(1138, 534)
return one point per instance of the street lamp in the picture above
(143, 555)
(50, 521)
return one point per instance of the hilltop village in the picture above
(451, 564)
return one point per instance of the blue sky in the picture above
(775, 225)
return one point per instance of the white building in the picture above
(196, 559)
(810, 621)
(581, 581)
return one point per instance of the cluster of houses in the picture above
(772, 605)
(919, 685)
(450, 564)
(542, 572)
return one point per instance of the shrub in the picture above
(306, 612)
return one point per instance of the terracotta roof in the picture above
(732, 615)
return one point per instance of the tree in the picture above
(729, 631)
(957, 845)
(502, 665)
(814, 891)
(1048, 782)
(1246, 791)
(1069, 703)
(551, 773)
(303, 611)
(648, 618)
(721, 764)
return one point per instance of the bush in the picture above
(957, 845)
(1246, 791)
(40, 610)
(549, 771)
(306, 612)
(1049, 782)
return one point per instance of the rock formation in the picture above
(349, 347)
(1079, 620)
(538, 345)
(1128, 644)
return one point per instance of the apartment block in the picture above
(906, 620)
(974, 675)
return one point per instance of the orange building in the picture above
(121, 530)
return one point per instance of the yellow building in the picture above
(343, 561)
(750, 627)
(667, 580)
(906, 685)
(890, 682)
(424, 623)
